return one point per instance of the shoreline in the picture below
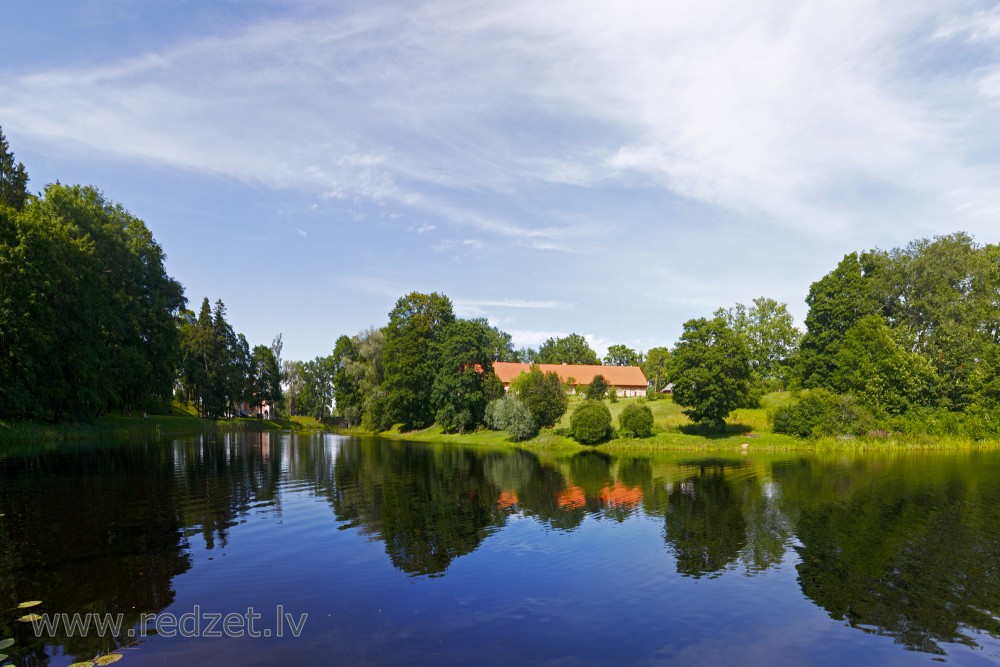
(669, 437)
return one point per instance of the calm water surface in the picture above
(413, 554)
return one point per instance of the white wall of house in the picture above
(624, 392)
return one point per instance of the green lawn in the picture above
(671, 429)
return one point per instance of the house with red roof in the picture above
(626, 380)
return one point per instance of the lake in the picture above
(254, 549)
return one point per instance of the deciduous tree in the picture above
(622, 355)
(542, 394)
(573, 349)
(885, 376)
(597, 390)
(770, 333)
(87, 310)
(415, 324)
(710, 367)
(463, 355)
(656, 367)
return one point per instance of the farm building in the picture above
(626, 380)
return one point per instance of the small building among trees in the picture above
(626, 380)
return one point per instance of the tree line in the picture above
(90, 321)
(898, 340)
(426, 366)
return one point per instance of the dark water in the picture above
(439, 555)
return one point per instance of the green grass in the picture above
(672, 430)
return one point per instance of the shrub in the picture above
(590, 422)
(820, 412)
(975, 422)
(511, 415)
(454, 421)
(636, 420)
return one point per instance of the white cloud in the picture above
(805, 115)
(977, 26)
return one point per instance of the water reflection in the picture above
(705, 527)
(86, 531)
(903, 546)
(907, 552)
(429, 506)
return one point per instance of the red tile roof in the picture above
(617, 376)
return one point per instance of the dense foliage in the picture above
(710, 367)
(597, 390)
(622, 355)
(636, 421)
(218, 370)
(416, 324)
(573, 349)
(511, 415)
(464, 382)
(908, 331)
(656, 368)
(820, 412)
(424, 366)
(87, 310)
(771, 338)
(590, 422)
(543, 395)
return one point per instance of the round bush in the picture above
(590, 422)
(636, 421)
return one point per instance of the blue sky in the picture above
(610, 169)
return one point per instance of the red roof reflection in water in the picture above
(620, 495)
(507, 500)
(571, 498)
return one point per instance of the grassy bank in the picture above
(182, 420)
(672, 430)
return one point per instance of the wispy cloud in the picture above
(661, 158)
(976, 26)
(776, 109)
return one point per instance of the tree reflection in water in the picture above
(905, 546)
